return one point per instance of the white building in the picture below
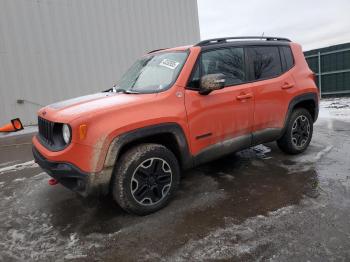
(51, 50)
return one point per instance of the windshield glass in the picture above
(153, 73)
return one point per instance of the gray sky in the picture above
(311, 23)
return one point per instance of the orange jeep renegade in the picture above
(175, 109)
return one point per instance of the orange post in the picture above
(14, 126)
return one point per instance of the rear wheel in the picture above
(298, 132)
(145, 179)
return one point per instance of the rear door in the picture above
(224, 115)
(270, 87)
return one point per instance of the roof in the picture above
(242, 41)
(236, 38)
(232, 41)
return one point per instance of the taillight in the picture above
(314, 77)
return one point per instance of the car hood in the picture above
(90, 105)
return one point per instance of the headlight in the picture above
(66, 133)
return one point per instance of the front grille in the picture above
(46, 130)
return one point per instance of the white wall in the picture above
(51, 50)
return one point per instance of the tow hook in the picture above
(53, 182)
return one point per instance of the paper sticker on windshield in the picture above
(169, 63)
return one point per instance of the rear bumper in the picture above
(67, 174)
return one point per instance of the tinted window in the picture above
(287, 58)
(194, 82)
(265, 62)
(228, 61)
(283, 60)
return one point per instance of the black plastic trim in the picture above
(57, 143)
(266, 135)
(244, 44)
(166, 128)
(214, 41)
(65, 173)
(156, 50)
(220, 149)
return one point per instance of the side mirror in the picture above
(211, 82)
(14, 126)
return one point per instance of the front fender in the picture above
(166, 128)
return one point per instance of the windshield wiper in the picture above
(124, 91)
(114, 89)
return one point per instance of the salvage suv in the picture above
(175, 109)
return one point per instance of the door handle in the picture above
(244, 96)
(287, 85)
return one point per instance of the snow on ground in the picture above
(232, 240)
(36, 239)
(28, 216)
(26, 130)
(17, 167)
(335, 108)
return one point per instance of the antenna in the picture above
(262, 36)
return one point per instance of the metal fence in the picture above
(332, 67)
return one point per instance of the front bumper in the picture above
(67, 174)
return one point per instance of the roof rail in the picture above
(156, 50)
(224, 39)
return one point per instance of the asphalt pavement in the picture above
(258, 204)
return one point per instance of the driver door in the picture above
(220, 122)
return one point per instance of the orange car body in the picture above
(246, 114)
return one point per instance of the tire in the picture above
(145, 179)
(298, 133)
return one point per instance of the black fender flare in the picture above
(296, 100)
(174, 129)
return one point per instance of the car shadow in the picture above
(237, 187)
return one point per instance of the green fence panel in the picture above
(335, 68)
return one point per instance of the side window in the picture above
(195, 77)
(227, 61)
(265, 62)
(286, 57)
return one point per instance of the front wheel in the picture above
(298, 132)
(145, 179)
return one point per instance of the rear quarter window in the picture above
(286, 58)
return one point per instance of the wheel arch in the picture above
(309, 101)
(170, 135)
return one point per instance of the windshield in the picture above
(152, 73)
